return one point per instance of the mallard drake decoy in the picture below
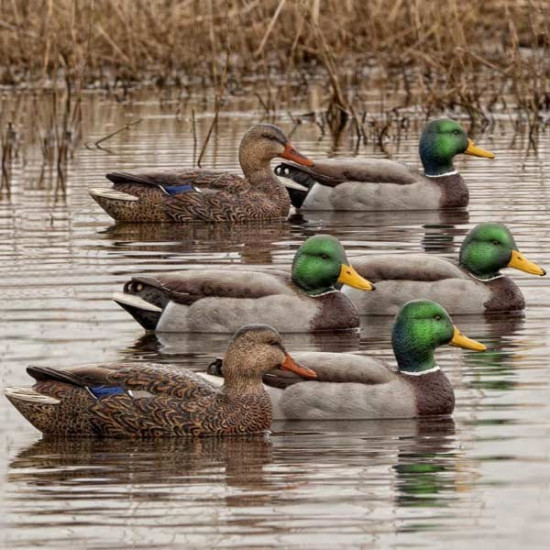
(475, 285)
(359, 387)
(148, 400)
(220, 301)
(381, 184)
(202, 195)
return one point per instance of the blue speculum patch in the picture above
(106, 391)
(176, 190)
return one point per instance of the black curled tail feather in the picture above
(216, 367)
(297, 196)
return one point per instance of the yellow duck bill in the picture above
(476, 151)
(519, 261)
(348, 276)
(461, 341)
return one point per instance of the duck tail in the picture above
(140, 305)
(144, 206)
(119, 205)
(39, 409)
(297, 181)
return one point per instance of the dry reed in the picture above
(470, 55)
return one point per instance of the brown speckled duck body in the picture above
(219, 301)
(351, 386)
(380, 184)
(147, 400)
(201, 195)
(474, 285)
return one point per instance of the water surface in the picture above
(481, 478)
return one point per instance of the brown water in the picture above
(482, 479)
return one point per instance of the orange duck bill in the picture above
(291, 365)
(291, 154)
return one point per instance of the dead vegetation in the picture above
(478, 57)
(461, 51)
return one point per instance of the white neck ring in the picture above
(452, 173)
(422, 372)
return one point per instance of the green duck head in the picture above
(321, 263)
(420, 327)
(441, 140)
(490, 247)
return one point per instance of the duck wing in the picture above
(174, 182)
(145, 400)
(187, 287)
(406, 267)
(333, 172)
(133, 379)
(336, 368)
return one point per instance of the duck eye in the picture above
(324, 256)
(456, 132)
(496, 243)
(438, 317)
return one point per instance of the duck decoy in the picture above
(148, 400)
(350, 386)
(382, 184)
(191, 194)
(475, 285)
(220, 301)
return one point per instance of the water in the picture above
(481, 478)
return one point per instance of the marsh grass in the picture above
(475, 57)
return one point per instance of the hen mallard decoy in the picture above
(202, 195)
(381, 184)
(148, 400)
(475, 285)
(360, 387)
(220, 301)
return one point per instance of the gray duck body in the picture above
(220, 301)
(354, 387)
(400, 278)
(370, 185)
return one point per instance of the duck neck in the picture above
(480, 275)
(469, 261)
(437, 168)
(264, 179)
(435, 163)
(412, 356)
(240, 386)
(301, 277)
(317, 291)
(256, 170)
(416, 364)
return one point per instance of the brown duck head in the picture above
(253, 351)
(264, 142)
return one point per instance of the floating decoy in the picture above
(190, 195)
(350, 386)
(148, 400)
(381, 184)
(475, 285)
(221, 300)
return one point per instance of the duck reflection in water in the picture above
(436, 230)
(418, 460)
(96, 464)
(423, 455)
(498, 369)
(253, 242)
(430, 466)
(166, 345)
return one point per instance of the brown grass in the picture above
(432, 50)
(472, 55)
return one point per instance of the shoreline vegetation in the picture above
(468, 57)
